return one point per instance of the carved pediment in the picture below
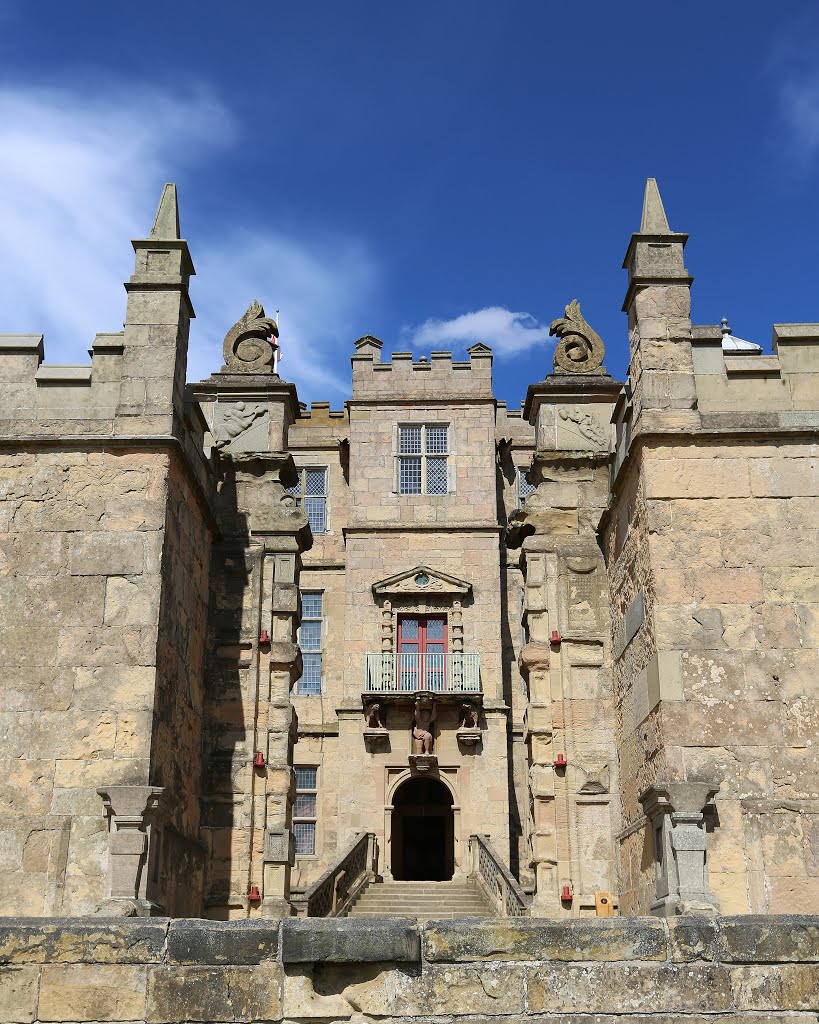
(421, 580)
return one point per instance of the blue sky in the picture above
(431, 173)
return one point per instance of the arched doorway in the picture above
(423, 832)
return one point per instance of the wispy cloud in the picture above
(793, 69)
(80, 174)
(319, 286)
(799, 104)
(505, 331)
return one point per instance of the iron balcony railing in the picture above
(457, 672)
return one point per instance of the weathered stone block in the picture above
(765, 939)
(350, 940)
(626, 989)
(91, 992)
(213, 994)
(455, 990)
(697, 478)
(72, 941)
(520, 939)
(131, 602)
(214, 942)
(18, 994)
(105, 554)
(776, 987)
(693, 938)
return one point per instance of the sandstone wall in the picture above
(81, 565)
(712, 557)
(734, 555)
(639, 970)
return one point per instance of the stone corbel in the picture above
(423, 764)
(469, 731)
(677, 813)
(135, 818)
(376, 734)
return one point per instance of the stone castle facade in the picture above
(257, 656)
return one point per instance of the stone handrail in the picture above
(333, 893)
(495, 879)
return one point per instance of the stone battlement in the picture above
(688, 969)
(39, 397)
(787, 381)
(405, 379)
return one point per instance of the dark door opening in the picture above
(423, 832)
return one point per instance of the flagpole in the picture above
(277, 353)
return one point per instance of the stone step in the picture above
(439, 916)
(413, 909)
(407, 888)
(422, 900)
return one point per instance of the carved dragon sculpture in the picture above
(247, 347)
(580, 348)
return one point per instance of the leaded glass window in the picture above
(311, 494)
(305, 811)
(311, 642)
(524, 487)
(423, 463)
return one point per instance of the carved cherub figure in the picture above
(236, 418)
(425, 714)
(372, 716)
(469, 715)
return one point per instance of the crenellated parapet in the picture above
(39, 398)
(406, 379)
(783, 386)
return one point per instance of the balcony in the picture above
(453, 673)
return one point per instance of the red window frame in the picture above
(421, 639)
(420, 673)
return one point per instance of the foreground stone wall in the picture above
(711, 547)
(747, 969)
(80, 557)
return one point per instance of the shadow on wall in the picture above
(227, 769)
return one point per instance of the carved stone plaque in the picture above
(279, 846)
(582, 594)
(241, 427)
(580, 429)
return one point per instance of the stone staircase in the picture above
(423, 900)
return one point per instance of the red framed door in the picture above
(422, 646)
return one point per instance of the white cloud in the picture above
(799, 102)
(503, 330)
(317, 287)
(80, 175)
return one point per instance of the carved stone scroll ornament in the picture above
(580, 348)
(247, 347)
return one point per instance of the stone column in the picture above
(249, 409)
(569, 724)
(677, 811)
(276, 717)
(538, 731)
(135, 816)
